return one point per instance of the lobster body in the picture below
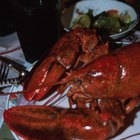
(115, 75)
(130, 75)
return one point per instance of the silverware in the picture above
(11, 72)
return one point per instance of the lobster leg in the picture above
(90, 56)
(133, 103)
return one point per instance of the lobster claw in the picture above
(63, 56)
(51, 68)
(31, 122)
(51, 123)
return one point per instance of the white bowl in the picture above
(98, 6)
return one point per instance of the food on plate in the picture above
(104, 87)
(107, 22)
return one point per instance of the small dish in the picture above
(70, 13)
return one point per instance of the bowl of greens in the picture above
(109, 17)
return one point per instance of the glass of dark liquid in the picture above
(6, 20)
(36, 25)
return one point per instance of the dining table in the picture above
(10, 47)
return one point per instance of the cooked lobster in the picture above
(104, 87)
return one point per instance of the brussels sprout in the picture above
(125, 19)
(101, 23)
(82, 21)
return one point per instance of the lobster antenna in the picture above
(26, 90)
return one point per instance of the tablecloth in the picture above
(9, 47)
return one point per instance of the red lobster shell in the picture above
(109, 83)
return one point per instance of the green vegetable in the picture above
(82, 21)
(103, 22)
(125, 19)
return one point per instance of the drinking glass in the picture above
(36, 25)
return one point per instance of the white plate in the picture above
(98, 7)
(131, 130)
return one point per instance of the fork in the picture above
(11, 72)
